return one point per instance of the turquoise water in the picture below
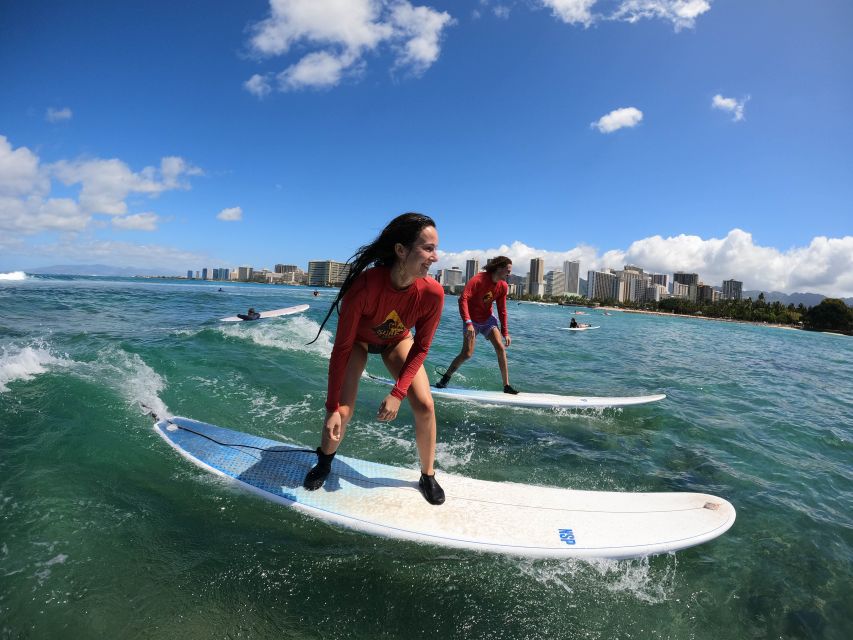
(106, 532)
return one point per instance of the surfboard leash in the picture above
(235, 444)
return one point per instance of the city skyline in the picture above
(301, 133)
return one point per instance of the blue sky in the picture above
(706, 135)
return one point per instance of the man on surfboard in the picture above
(475, 307)
(378, 306)
(250, 315)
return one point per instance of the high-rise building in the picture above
(602, 285)
(680, 290)
(572, 272)
(327, 273)
(451, 277)
(286, 268)
(661, 278)
(682, 277)
(633, 285)
(732, 289)
(244, 274)
(536, 277)
(205, 274)
(472, 268)
(704, 293)
(555, 283)
(189, 274)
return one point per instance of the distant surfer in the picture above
(475, 307)
(385, 293)
(251, 314)
(573, 324)
(316, 293)
(220, 288)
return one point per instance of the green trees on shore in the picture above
(832, 314)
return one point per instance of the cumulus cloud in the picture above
(681, 13)
(618, 119)
(258, 85)
(58, 115)
(731, 105)
(26, 207)
(137, 222)
(824, 266)
(341, 33)
(231, 214)
(572, 11)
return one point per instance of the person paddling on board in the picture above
(250, 315)
(475, 307)
(386, 292)
(573, 324)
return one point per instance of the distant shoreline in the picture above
(695, 317)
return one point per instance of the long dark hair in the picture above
(498, 262)
(404, 229)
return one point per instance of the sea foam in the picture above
(13, 276)
(25, 363)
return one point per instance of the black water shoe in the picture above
(509, 389)
(430, 489)
(443, 382)
(315, 478)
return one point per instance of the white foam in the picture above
(13, 276)
(291, 334)
(128, 374)
(25, 363)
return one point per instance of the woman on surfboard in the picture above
(385, 293)
(475, 307)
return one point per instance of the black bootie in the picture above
(430, 489)
(315, 478)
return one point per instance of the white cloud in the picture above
(137, 222)
(231, 214)
(572, 11)
(20, 171)
(25, 184)
(732, 105)
(318, 70)
(682, 13)
(258, 85)
(342, 32)
(824, 266)
(618, 119)
(105, 184)
(58, 115)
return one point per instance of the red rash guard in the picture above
(373, 311)
(475, 303)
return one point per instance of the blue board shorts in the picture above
(483, 328)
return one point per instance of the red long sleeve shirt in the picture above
(373, 311)
(475, 303)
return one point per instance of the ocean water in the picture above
(106, 532)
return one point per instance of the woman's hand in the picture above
(332, 425)
(388, 409)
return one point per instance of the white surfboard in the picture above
(496, 517)
(535, 400)
(597, 326)
(271, 314)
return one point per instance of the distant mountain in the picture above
(98, 270)
(807, 299)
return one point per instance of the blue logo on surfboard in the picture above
(567, 536)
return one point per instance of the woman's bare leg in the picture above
(420, 400)
(349, 390)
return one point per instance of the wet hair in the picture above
(498, 262)
(404, 229)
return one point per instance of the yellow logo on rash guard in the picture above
(390, 328)
(488, 297)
